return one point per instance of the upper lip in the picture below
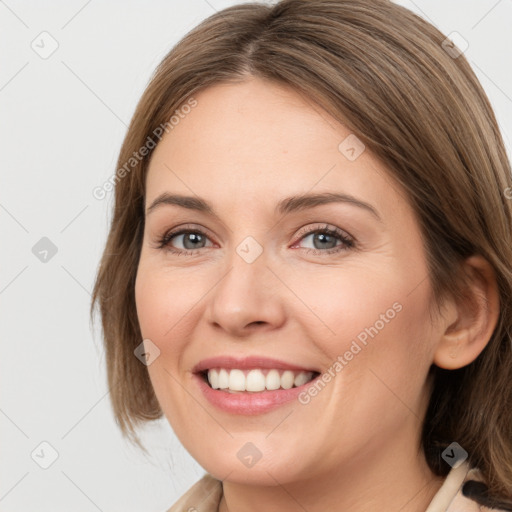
(248, 362)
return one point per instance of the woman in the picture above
(308, 270)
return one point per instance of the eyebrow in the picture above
(284, 206)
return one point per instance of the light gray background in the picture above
(62, 123)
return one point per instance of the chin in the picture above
(260, 474)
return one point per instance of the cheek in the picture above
(377, 335)
(373, 323)
(165, 300)
(360, 302)
(169, 305)
(165, 309)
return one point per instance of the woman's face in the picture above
(259, 276)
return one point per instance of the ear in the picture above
(471, 322)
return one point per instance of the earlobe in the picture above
(472, 321)
(455, 349)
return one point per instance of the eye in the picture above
(326, 240)
(188, 238)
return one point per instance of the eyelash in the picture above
(347, 242)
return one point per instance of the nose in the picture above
(247, 298)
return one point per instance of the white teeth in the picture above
(255, 380)
(301, 379)
(237, 380)
(273, 380)
(287, 379)
(223, 379)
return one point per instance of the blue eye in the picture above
(191, 239)
(325, 240)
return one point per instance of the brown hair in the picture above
(384, 73)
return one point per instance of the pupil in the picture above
(323, 238)
(191, 237)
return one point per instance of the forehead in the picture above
(257, 141)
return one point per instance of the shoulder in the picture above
(203, 496)
(471, 494)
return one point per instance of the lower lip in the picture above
(250, 403)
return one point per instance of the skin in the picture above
(354, 446)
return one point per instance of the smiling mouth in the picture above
(256, 380)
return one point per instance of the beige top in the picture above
(205, 495)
